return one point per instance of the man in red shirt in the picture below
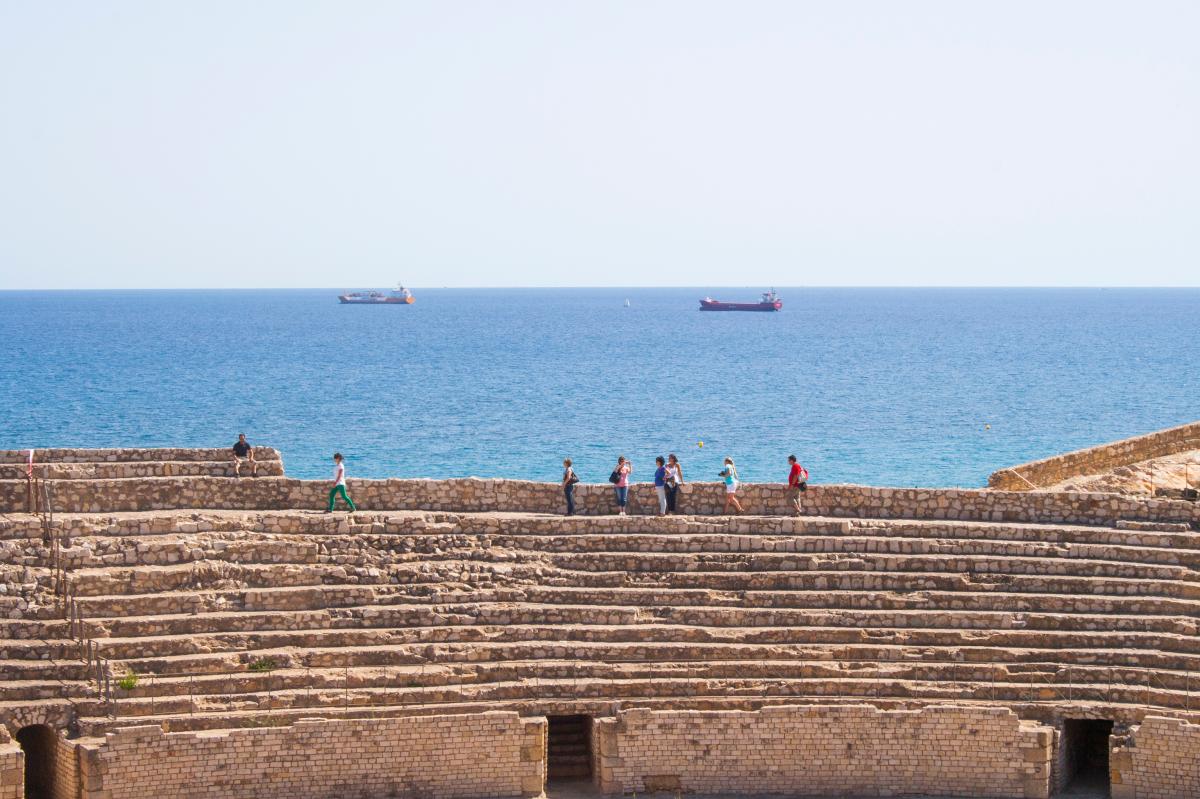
(797, 483)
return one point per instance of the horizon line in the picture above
(1097, 287)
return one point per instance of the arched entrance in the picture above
(38, 742)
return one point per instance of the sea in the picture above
(887, 386)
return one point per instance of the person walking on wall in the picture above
(339, 483)
(730, 475)
(569, 480)
(674, 482)
(660, 484)
(797, 483)
(243, 453)
(620, 480)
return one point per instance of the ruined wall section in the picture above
(495, 754)
(1159, 759)
(826, 751)
(65, 783)
(1094, 460)
(131, 455)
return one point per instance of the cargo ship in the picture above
(770, 302)
(397, 296)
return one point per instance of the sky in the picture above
(618, 143)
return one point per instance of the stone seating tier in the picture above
(262, 618)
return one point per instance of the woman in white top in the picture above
(731, 486)
(339, 483)
(674, 482)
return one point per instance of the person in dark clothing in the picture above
(660, 484)
(569, 479)
(243, 453)
(674, 482)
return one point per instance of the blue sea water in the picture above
(880, 386)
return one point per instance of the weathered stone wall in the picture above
(1094, 460)
(1065, 763)
(132, 454)
(825, 751)
(121, 470)
(496, 754)
(1160, 759)
(12, 767)
(65, 784)
(471, 494)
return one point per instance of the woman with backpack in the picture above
(797, 483)
(730, 476)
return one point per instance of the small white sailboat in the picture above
(626, 303)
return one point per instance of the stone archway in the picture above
(39, 742)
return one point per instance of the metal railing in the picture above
(99, 669)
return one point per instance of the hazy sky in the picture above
(346, 144)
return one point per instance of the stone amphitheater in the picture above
(172, 631)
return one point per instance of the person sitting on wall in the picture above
(243, 453)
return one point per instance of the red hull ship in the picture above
(770, 302)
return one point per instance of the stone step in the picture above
(308, 595)
(36, 629)
(27, 690)
(148, 579)
(291, 679)
(91, 560)
(880, 581)
(336, 597)
(951, 574)
(926, 564)
(740, 549)
(1071, 642)
(881, 543)
(451, 655)
(484, 613)
(1032, 689)
(95, 726)
(36, 649)
(43, 670)
(639, 532)
(92, 553)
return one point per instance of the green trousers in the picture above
(340, 489)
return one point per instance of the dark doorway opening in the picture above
(569, 748)
(37, 741)
(1085, 745)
